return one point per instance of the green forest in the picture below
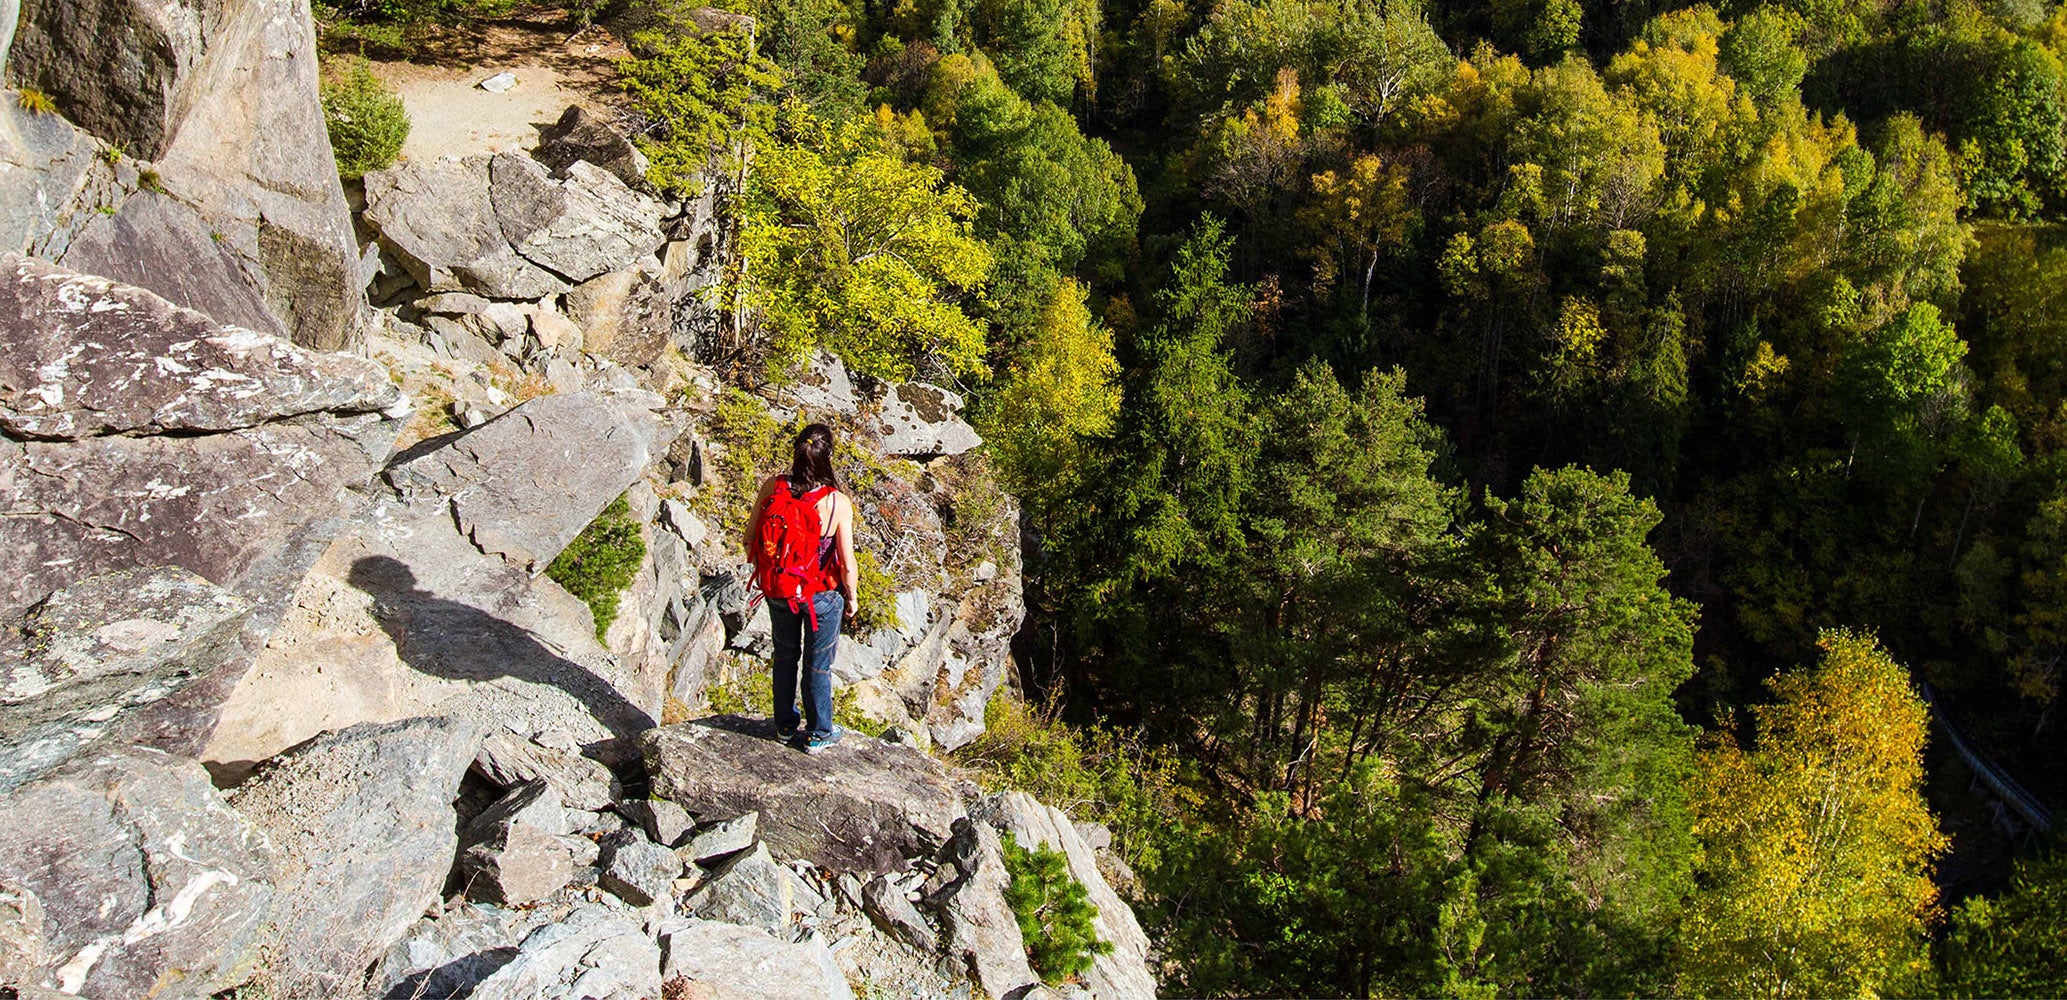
(1500, 476)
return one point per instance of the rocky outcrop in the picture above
(111, 399)
(919, 419)
(362, 820)
(239, 212)
(981, 928)
(862, 806)
(94, 659)
(1121, 974)
(122, 874)
(504, 227)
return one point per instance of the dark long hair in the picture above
(811, 462)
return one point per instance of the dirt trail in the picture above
(450, 115)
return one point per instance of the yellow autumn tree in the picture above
(1816, 843)
(1061, 389)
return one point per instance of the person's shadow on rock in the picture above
(460, 642)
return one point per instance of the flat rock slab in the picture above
(524, 484)
(135, 433)
(714, 960)
(88, 658)
(403, 616)
(143, 882)
(862, 805)
(363, 821)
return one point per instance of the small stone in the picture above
(985, 572)
(887, 905)
(715, 841)
(640, 871)
(676, 515)
(752, 889)
(499, 83)
(583, 850)
(667, 823)
(522, 864)
(533, 802)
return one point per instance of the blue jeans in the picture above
(793, 633)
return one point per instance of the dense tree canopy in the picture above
(1433, 416)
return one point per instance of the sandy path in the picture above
(450, 115)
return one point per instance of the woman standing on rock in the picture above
(801, 540)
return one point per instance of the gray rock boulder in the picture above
(923, 420)
(132, 877)
(363, 822)
(583, 136)
(667, 823)
(886, 904)
(752, 889)
(824, 388)
(111, 398)
(158, 242)
(100, 652)
(524, 484)
(577, 228)
(517, 863)
(509, 760)
(722, 839)
(405, 616)
(449, 954)
(533, 803)
(439, 220)
(55, 179)
(639, 871)
(624, 315)
(1123, 973)
(713, 960)
(595, 953)
(980, 926)
(864, 805)
(224, 99)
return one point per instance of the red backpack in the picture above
(786, 559)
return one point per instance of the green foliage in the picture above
(1093, 773)
(750, 444)
(601, 562)
(875, 595)
(709, 95)
(34, 101)
(1054, 912)
(2012, 945)
(366, 120)
(851, 246)
(1816, 842)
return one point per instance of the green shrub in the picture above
(710, 95)
(34, 101)
(601, 561)
(367, 122)
(1054, 912)
(875, 596)
(1093, 773)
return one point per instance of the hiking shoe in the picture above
(788, 735)
(813, 744)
